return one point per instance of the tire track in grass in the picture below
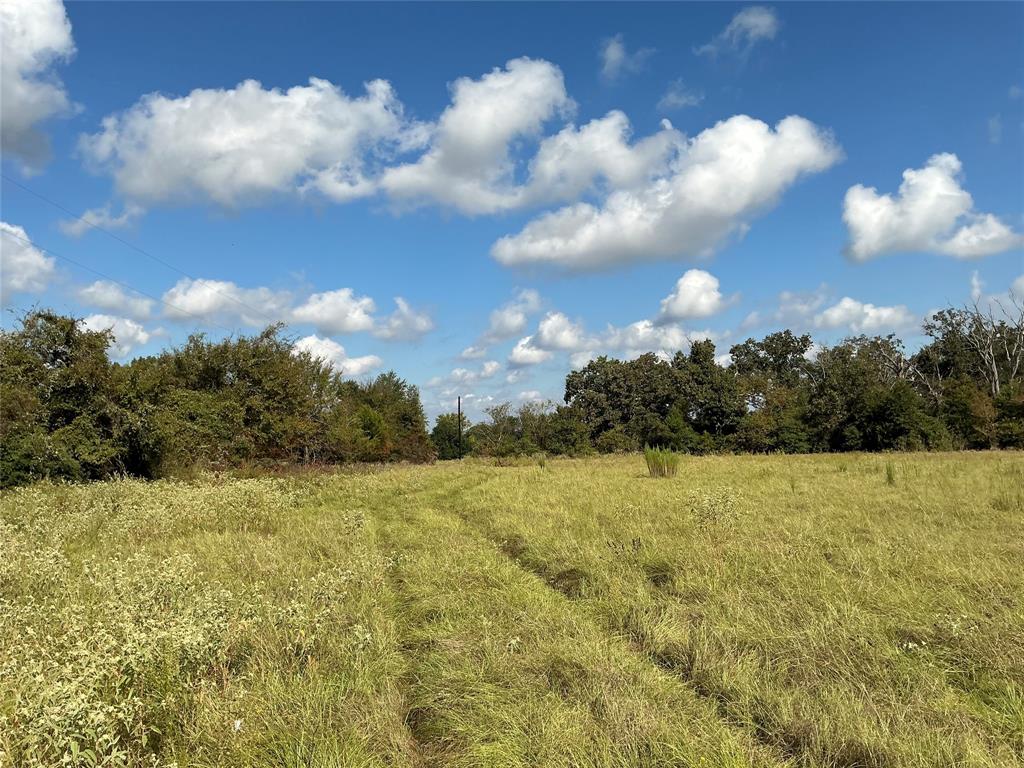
(787, 738)
(782, 741)
(571, 584)
(503, 670)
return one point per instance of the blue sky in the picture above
(538, 183)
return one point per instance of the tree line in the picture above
(67, 411)
(962, 389)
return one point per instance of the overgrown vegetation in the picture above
(567, 614)
(67, 412)
(661, 462)
(964, 389)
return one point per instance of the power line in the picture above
(205, 321)
(134, 247)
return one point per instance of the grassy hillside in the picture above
(855, 610)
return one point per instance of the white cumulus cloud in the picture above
(526, 352)
(35, 35)
(932, 212)
(23, 267)
(104, 294)
(468, 165)
(234, 146)
(338, 311)
(722, 178)
(568, 163)
(505, 322)
(404, 324)
(334, 355)
(556, 331)
(859, 317)
(222, 299)
(127, 333)
(696, 294)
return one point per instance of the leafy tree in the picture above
(445, 436)
(59, 416)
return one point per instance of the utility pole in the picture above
(460, 426)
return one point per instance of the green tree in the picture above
(445, 436)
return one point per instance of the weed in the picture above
(890, 473)
(661, 462)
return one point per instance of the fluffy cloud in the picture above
(23, 267)
(223, 299)
(404, 324)
(526, 352)
(747, 28)
(104, 294)
(505, 322)
(931, 213)
(616, 60)
(558, 332)
(238, 145)
(568, 163)
(468, 164)
(696, 295)
(339, 311)
(858, 317)
(646, 336)
(34, 35)
(334, 355)
(678, 96)
(128, 334)
(722, 177)
(102, 218)
(465, 376)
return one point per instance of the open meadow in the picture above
(825, 610)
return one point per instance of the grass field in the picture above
(853, 610)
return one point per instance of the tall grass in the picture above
(472, 615)
(661, 462)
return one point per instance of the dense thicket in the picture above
(66, 411)
(962, 389)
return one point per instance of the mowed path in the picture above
(833, 611)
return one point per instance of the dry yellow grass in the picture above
(847, 611)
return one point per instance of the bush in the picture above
(615, 440)
(661, 462)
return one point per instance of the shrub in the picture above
(661, 462)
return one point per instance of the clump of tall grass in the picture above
(1008, 500)
(661, 462)
(890, 473)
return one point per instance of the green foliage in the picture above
(67, 412)
(661, 462)
(59, 411)
(445, 436)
